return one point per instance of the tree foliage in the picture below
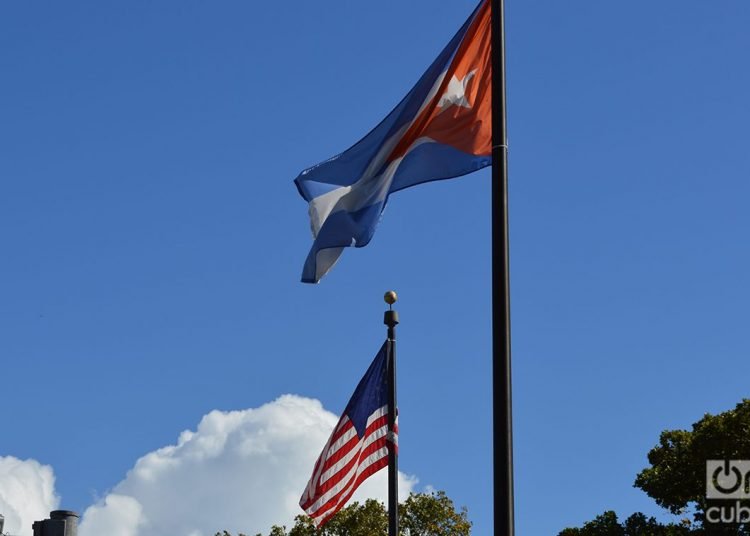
(422, 514)
(432, 515)
(638, 524)
(676, 479)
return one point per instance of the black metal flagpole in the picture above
(391, 320)
(502, 420)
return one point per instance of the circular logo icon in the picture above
(727, 480)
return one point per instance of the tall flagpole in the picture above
(502, 420)
(391, 320)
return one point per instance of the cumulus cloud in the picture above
(27, 493)
(115, 515)
(242, 471)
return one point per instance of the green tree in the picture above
(422, 514)
(432, 515)
(676, 479)
(638, 524)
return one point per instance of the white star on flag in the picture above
(455, 94)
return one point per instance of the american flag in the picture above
(357, 448)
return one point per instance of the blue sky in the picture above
(152, 238)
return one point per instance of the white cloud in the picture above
(116, 515)
(242, 471)
(27, 493)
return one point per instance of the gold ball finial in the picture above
(390, 297)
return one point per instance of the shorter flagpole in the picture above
(391, 320)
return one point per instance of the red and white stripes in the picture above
(346, 461)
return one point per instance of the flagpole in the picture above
(391, 320)
(501, 362)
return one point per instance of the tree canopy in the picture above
(638, 524)
(422, 514)
(676, 480)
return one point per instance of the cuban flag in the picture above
(357, 448)
(442, 129)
